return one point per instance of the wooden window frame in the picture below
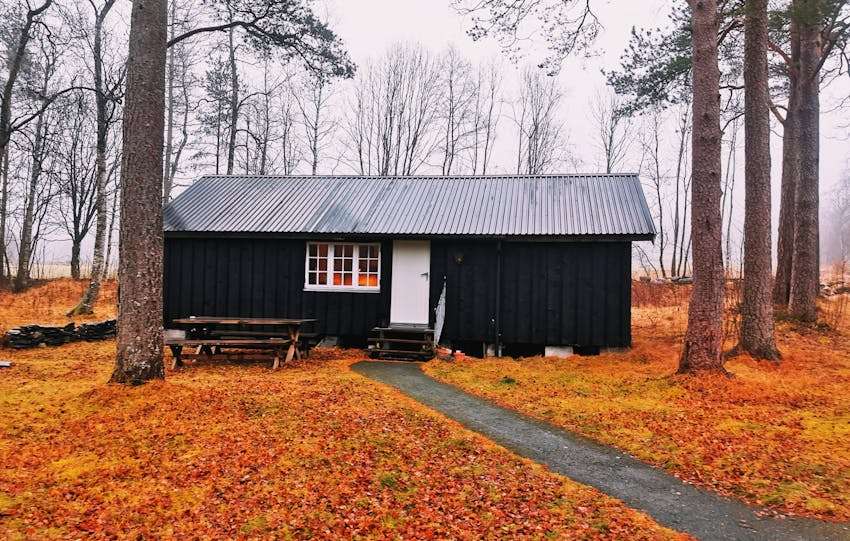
(355, 268)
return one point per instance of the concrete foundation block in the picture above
(558, 351)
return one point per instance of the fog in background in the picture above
(370, 28)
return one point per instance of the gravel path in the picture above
(665, 498)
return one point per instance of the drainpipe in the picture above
(498, 298)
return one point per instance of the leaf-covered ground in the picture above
(48, 302)
(230, 451)
(774, 436)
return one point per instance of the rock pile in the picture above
(30, 336)
(834, 288)
(96, 331)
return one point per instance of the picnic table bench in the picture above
(211, 334)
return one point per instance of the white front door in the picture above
(410, 279)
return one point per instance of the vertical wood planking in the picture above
(552, 293)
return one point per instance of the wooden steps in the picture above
(402, 342)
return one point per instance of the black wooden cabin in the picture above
(513, 263)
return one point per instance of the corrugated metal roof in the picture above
(502, 206)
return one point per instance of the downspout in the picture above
(498, 298)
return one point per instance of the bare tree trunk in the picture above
(680, 178)
(4, 205)
(75, 258)
(314, 136)
(654, 148)
(112, 215)
(685, 240)
(139, 356)
(757, 327)
(704, 336)
(790, 178)
(90, 295)
(169, 124)
(15, 61)
(728, 193)
(805, 266)
(25, 244)
(234, 103)
(218, 139)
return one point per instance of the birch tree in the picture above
(42, 139)
(392, 124)
(108, 82)
(180, 82)
(541, 140)
(76, 176)
(487, 113)
(19, 27)
(313, 95)
(457, 109)
(613, 133)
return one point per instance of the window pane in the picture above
(353, 265)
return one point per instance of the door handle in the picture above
(425, 274)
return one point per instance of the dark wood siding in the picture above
(551, 293)
(469, 272)
(264, 278)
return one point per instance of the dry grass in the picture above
(772, 435)
(238, 451)
(49, 301)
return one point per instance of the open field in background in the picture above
(771, 435)
(235, 450)
(49, 270)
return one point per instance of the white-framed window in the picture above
(343, 266)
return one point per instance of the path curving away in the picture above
(665, 498)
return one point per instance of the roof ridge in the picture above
(430, 177)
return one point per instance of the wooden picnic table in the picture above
(251, 332)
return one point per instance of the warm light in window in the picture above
(343, 265)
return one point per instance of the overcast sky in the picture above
(370, 26)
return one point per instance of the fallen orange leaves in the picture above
(238, 451)
(774, 436)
